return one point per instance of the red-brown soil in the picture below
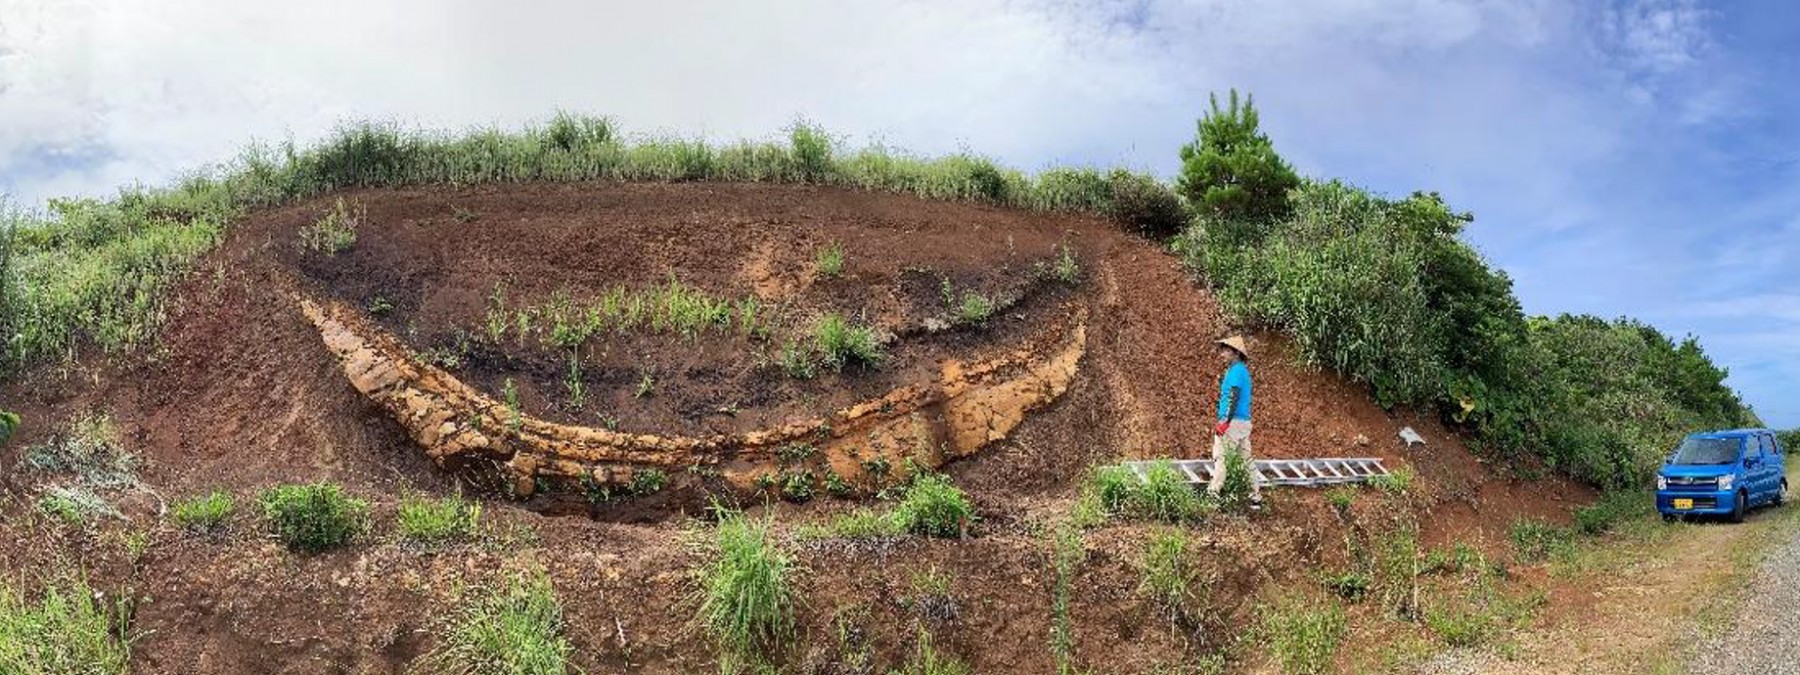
(241, 393)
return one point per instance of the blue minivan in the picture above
(1722, 473)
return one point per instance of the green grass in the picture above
(1235, 491)
(1165, 496)
(861, 523)
(313, 518)
(829, 260)
(746, 596)
(1167, 576)
(1397, 483)
(1613, 508)
(1067, 552)
(925, 660)
(1302, 634)
(335, 232)
(74, 505)
(933, 507)
(431, 523)
(67, 630)
(9, 423)
(205, 514)
(518, 629)
(841, 342)
(1536, 540)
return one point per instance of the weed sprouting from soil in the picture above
(336, 231)
(74, 505)
(313, 518)
(515, 419)
(863, 523)
(497, 318)
(1397, 483)
(1066, 555)
(829, 260)
(431, 523)
(647, 481)
(1168, 579)
(69, 631)
(1302, 634)
(1066, 269)
(1235, 490)
(1535, 540)
(572, 382)
(796, 361)
(89, 449)
(646, 384)
(746, 595)
(516, 630)
(931, 596)
(1164, 495)
(933, 507)
(974, 309)
(205, 514)
(925, 660)
(9, 422)
(797, 486)
(841, 342)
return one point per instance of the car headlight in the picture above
(1662, 482)
(1725, 481)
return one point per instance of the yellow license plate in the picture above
(1684, 504)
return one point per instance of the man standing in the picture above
(1233, 430)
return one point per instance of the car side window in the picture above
(1768, 444)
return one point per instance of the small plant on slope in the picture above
(1167, 577)
(934, 507)
(313, 518)
(1302, 634)
(926, 660)
(843, 343)
(517, 630)
(974, 309)
(746, 593)
(430, 523)
(70, 631)
(1234, 491)
(9, 422)
(205, 514)
(1165, 496)
(829, 260)
(335, 232)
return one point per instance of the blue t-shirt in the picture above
(1238, 376)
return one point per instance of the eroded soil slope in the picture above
(242, 393)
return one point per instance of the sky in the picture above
(1621, 157)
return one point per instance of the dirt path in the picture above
(1763, 638)
(1665, 599)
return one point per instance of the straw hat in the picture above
(1236, 342)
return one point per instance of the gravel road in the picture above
(1766, 637)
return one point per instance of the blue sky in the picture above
(1621, 157)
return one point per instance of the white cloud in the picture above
(1657, 36)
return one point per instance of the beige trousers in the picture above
(1237, 434)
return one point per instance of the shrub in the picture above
(934, 507)
(829, 260)
(1612, 508)
(517, 629)
(205, 514)
(1341, 498)
(1145, 206)
(746, 594)
(648, 481)
(1166, 496)
(842, 342)
(335, 232)
(797, 486)
(1303, 635)
(1231, 170)
(429, 523)
(812, 151)
(1397, 482)
(313, 518)
(69, 630)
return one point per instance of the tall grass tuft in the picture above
(516, 630)
(1302, 634)
(431, 523)
(205, 514)
(842, 342)
(934, 507)
(746, 594)
(69, 631)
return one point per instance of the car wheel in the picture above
(1781, 494)
(1738, 509)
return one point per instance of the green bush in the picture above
(69, 631)
(1167, 576)
(517, 629)
(1145, 206)
(1231, 171)
(829, 260)
(1236, 489)
(1114, 486)
(335, 232)
(1613, 508)
(205, 514)
(647, 481)
(747, 597)
(313, 518)
(934, 507)
(1397, 483)
(1166, 496)
(429, 523)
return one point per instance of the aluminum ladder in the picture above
(1300, 472)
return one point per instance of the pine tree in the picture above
(1231, 170)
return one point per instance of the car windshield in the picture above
(1706, 451)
